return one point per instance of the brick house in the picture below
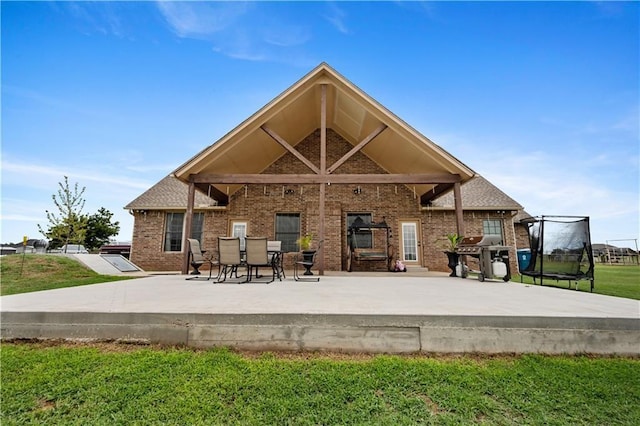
(314, 159)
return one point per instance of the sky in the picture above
(540, 98)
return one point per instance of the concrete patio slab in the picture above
(392, 313)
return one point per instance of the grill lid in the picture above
(474, 245)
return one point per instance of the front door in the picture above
(410, 242)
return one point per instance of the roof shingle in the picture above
(169, 193)
(478, 193)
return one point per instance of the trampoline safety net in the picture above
(560, 248)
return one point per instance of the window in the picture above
(492, 227)
(197, 226)
(173, 230)
(288, 230)
(363, 238)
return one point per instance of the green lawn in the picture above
(612, 280)
(110, 385)
(36, 272)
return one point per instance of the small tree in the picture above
(69, 225)
(99, 229)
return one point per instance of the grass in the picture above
(612, 280)
(103, 385)
(45, 272)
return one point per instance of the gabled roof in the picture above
(295, 113)
(170, 193)
(478, 194)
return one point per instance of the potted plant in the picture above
(304, 243)
(451, 251)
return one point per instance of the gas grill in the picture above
(493, 258)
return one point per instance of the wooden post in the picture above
(323, 172)
(188, 219)
(457, 197)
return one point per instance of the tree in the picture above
(99, 229)
(69, 226)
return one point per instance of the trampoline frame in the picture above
(537, 250)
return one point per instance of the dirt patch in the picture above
(136, 345)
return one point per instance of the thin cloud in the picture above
(337, 17)
(40, 176)
(545, 186)
(20, 218)
(627, 122)
(33, 96)
(285, 36)
(22, 215)
(201, 20)
(558, 182)
(39, 98)
(244, 31)
(98, 17)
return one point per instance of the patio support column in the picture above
(323, 172)
(188, 219)
(457, 199)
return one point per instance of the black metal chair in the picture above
(197, 258)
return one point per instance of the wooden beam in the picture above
(213, 192)
(357, 148)
(416, 178)
(289, 148)
(435, 192)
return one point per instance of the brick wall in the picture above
(259, 204)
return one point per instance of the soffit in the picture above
(297, 112)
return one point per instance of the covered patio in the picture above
(323, 99)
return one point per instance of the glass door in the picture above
(239, 229)
(409, 242)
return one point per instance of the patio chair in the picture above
(197, 258)
(275, 255)
(229, 257)
(257, 256)
(306, 261)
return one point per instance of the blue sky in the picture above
(541, 98)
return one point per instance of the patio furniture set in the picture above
(258, 252)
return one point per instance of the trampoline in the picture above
(560, 249)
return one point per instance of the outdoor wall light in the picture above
(357, 191)
(289, 191)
